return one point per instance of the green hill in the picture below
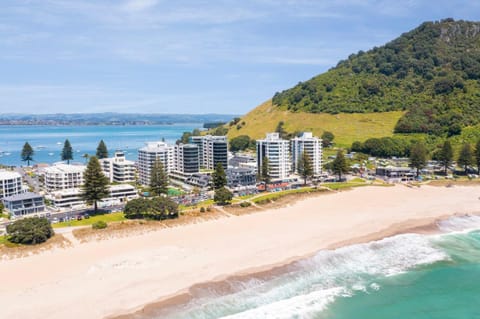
(430, 74)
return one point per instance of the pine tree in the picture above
(67, 152)
(446, 155)
(222, 196)
(158, 179)
(86, 156)
(477, 156)
(265, 171)
(96, 183)
(27, 153)
(465, 158)
(305, 169)
(219, 179)
(102, 151)
(418, 156)
(340, 165)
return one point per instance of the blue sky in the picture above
(186, 56)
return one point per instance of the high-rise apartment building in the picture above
(212, 150)
(151, 152)
(277, 151)
(311, 145)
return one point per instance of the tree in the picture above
(219, 178)
(67, 152)
(96, 183)
(27, 153)
(158, 208)
(239, 143)
(327, 138)
(465, 158)
(32, 230)
(102, 151)
(446, 155)
(418, 156)
(340, 165)
(158, 179)
(305, 167)
(222, 196)
(281, 130)
(265, 171)
(477, 156)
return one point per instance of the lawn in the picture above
(113, 217)
(347, 128)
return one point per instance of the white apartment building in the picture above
(118, 169)
(211, 150)
(147, 156)
(10, 183)
(277, 151)
(312, 146)
(63, 176)
(72, 198)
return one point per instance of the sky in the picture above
(186, 56)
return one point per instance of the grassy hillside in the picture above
(432, 73)
(346, 127)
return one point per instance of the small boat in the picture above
(50, 154)
(59, 143)
(6, 154)
(40, 147)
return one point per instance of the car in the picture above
(79, 217)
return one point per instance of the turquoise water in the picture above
(406, 276)
(47, 141)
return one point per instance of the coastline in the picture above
(163, 305)
(110, 274)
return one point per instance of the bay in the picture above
(47, 141)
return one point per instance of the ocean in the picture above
(405, 276)
(47, 141)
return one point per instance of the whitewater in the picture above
(404, 276)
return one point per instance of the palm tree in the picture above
(86, 156)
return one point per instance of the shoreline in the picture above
(123, 275)
(424, 226)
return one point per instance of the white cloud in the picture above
(139, 5)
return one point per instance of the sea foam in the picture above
(308, 286)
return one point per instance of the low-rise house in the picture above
(238, 177)
(24, 204)
(394, 173)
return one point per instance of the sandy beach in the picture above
(105, 278)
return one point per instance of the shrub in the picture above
(202, 209)
(33, 230)
(245, 204)
(157, 208)
(99, 225)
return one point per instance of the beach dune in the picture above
(121, 275)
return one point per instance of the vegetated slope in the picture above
(432, 73)
(347, 128)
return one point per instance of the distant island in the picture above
(111, 119)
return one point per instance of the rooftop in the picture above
(8, 175)
(64, 168)
(22, 196)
